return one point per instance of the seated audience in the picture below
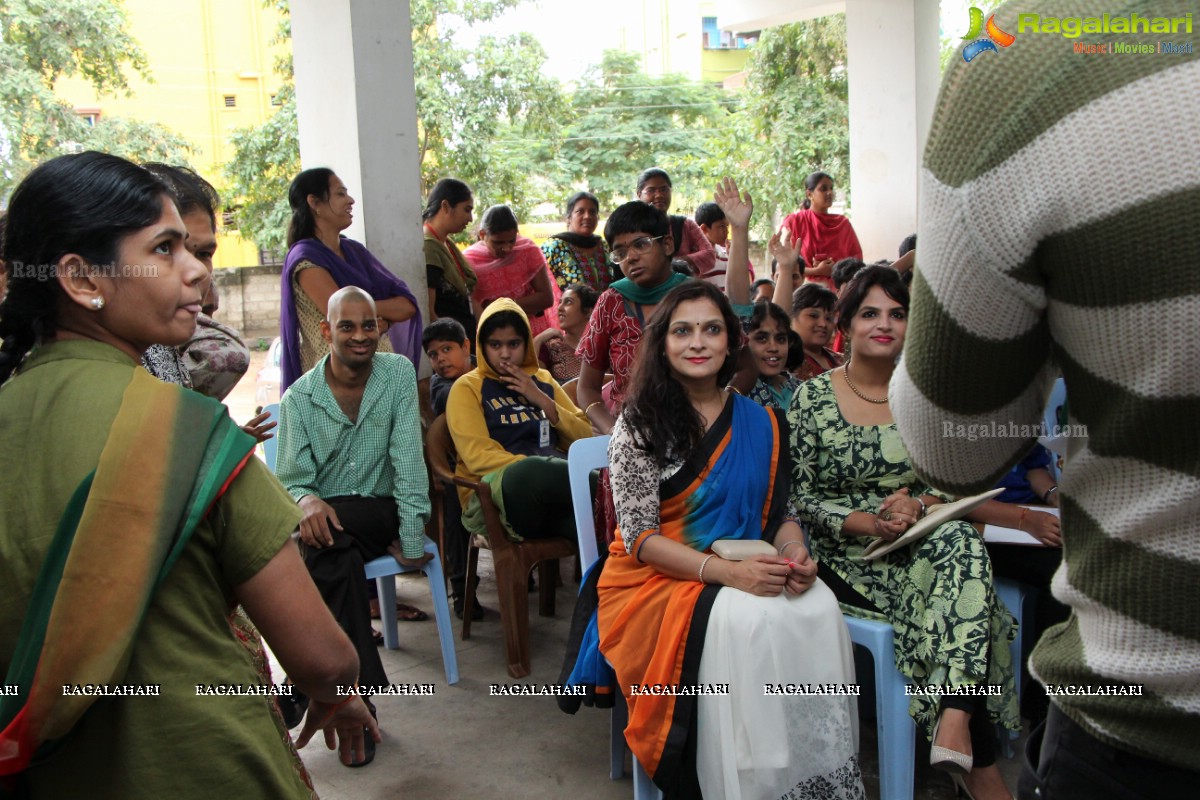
(1029, 483)
(689, 242)
(812, 320)
(640, 240)
(319, 262)
(449, 275)
(692, 462)
(775, 346)
(853, 483)
(135, 587)
(509, 265)
(512, 424)
(578, 255)
(350, 454)
(762, 290)
(449, 352)
(556, 347)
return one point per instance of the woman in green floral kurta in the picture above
(950, 630)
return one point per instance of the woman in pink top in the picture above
(509, 265)
(823, 238)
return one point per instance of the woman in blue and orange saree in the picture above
(737, 673)
(138, 519)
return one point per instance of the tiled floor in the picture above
(463, 743)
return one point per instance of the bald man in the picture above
(350, 454)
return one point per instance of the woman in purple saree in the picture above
(319, 262)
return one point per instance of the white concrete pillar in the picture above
(892, 47)
(357, 113)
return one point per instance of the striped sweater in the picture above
(1060, 230)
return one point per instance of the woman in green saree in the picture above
(140, 517)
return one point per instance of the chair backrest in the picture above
(439, 448)
(584, 456)
(271, 446)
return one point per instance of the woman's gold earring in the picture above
(97, 303)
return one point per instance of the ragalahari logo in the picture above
(994, 37)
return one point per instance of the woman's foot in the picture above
(986, 783)
(951, 746)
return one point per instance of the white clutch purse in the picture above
(742, 549)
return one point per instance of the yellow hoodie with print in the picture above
(479, 398)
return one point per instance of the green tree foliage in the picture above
(624, 121)
(43, 41)
(792, 118)
(137, 140)
(487, 115)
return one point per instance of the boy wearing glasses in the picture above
(639, 239)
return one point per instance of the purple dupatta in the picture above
(360, 269)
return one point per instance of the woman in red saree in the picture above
(697, 641)
(823, 238)
(141, 517)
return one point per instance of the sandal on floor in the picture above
(404, 612)
(377, 636)
(407, 613)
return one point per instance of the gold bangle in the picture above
(734, 389)
(588, 411)
(703, 564)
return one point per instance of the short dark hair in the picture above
(764, 310)
(909, 243)
(575, 198)
(812, 295)
(708, 214)
(313, 181)
(885, 278)
(760, 282)
(636, 217)
(846, 269)
(452, 190)
(588, 297)
(192, 193)
(443, 329)
(498, 219)
(650, 174)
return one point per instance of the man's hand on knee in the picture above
(318, 516)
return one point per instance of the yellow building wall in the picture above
(717, 65)
(198, 52)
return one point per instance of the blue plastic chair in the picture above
(385, 568)
(271, 446)
(584, 456)
(1057, 445)
(895, 730)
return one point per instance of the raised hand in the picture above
(737, 206)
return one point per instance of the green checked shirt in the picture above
(322, 453)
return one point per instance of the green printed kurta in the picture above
(950, 628)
